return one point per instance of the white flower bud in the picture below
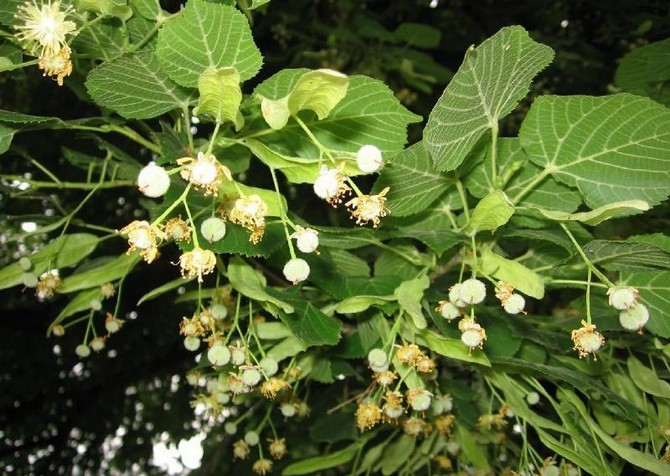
(393, 412)
(153, 181)
(448, 310)
(533, 398)
(306, 239)
(622, 298)
(514, 304)
(327, 184)
(82, 350)
(192, 343)
(635, 318)
(218, 354)
(472, 291)
(95, 304)
(369, 159)
(213, 229)
(25, 264)
(377, 358)
(287, 409)
(230, 428)
(379, 368)
(455, 296)
(251, 377)
(219, 311)
(296, 270)
(419, 400)
(251, 438)
(29, 280)
(238, 355)
(97, 344)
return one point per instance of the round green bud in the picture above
(251, 438)
(213, 229)
(25, 264)
(29, 280)
(269, 366)
(218, 354)
(472, 291)
(192, 343)
(251, 377)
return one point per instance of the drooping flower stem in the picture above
(587, 262)
(175, 204)
(282, 214)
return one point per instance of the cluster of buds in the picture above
(469, 293)
(248, 211)
(494, 420)
(144, 237)
(512, 303)
(633, 315)
(411, 354)
(204, 172)
(472, 334)
(48, 284)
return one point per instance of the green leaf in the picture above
(8, 11)
(81, 302)
(625, 256)
(492, 80)
(296, 169)
(114, 8)
(312, 465)
(369, 114)
(646, 379)
(525, 280)
(654, 287)
(578, 380)
(100, 40)
(452, 348)
(149, 9)
(306, 321)
(164, 288)
(409, 295)
(600, 214)
(6, 136)
(631, 455)
(332, 428)
(289, 347)
(319, 91)
(18, 118)
(109, 271)
(251, 283)
(66, 250)
(220, 95)
(418, 34)
(492, 212)
(135, 87)
(645, 71)
(414, 183)
(613, 148)
(206, 35)
(272, 330)
(396, 454)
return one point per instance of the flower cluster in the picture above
(204, 172)
(45, 27)
(144, 237)
(248, 211)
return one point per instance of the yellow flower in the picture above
(144, 237)
(240, 450)
(587, 340)
(330, 185)
(414, 426)
(262, 466)
(191, 327)
(369, 208)
(177, 230)
(48, 285)
(444, 424)
(272, 386)
(44, 25)
(250, 212)
(56, 64)
(278, 448)
(204, 172)
(197, 262)
(368, 415)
